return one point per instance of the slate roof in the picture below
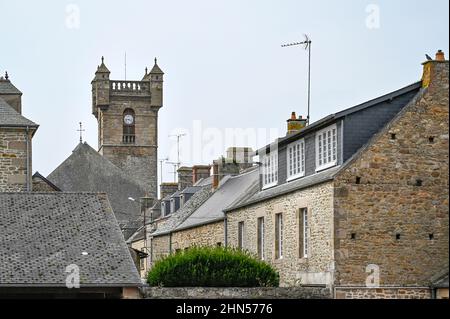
(156, 69)
(204, 181)
(183, 212)
(10, 117)
(43, 233)
(45, 180)
(287, 188)
(6, 87)
(232, 191)
(85, 170)
(190, 190)
(336, 116)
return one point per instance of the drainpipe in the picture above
(170, 243)
(225, 227)
(28, 159)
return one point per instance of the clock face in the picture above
(128, 119)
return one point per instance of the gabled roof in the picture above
(11, 118)
(85, 170)
(232, 191)
(156, 69)
(53, 186)
(336, 116)
(44, 233)
(6, 87)
(183, 212)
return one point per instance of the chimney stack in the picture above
(184, 177)
(199, 172)
(168, 189)
(295, 124)
(435, 71)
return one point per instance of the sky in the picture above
(228, 81)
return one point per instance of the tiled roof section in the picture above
(190, 190)
(204, 181)
(137, 236)
(10, 117)
(85, 170)
(43, 233)
(6, 87)
(37, 175)
(184, 212)
(229, 193)
(334, 117)
(287, 188)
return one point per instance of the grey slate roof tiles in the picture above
(10, 117)
(85, 170)
(43, 233)
(230, 192)
(6, 87)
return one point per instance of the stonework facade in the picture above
(294, 269)
(391, 203)
(160, 247)
(127, 115)
(383, 293)
(14, 153)
(201, 236)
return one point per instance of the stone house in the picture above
(357, 201)
(16, 133)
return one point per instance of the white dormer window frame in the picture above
(326, 148)
(295, 157)
(269, 170)
(172, 205)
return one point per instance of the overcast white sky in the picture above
(224, 65)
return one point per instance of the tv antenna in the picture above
(175, 165)
(178, 136)
(307, 46)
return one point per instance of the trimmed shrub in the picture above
(212, 267)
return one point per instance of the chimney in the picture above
(199, 172)
(184, 177)
(435, 72)
(295, 124)
(168, 189)
(223, 167)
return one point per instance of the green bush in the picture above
(212, 267)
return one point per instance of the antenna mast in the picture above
(307, 46)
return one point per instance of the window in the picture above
(241, 235)
(326, 148)
(296, 159)
(128, 127)
(261, 238)
(305, 231)
(270, 169)
(279, 236)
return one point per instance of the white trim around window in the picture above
(270, 170)
(295, 156)
(326, 148)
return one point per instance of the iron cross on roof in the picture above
(81, 130)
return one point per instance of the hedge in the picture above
(212, 267)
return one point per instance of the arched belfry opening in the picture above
(129, 122)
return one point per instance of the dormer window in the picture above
(326, 148)
(296, 159)
(128, 127)
(270, 170)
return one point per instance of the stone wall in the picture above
(236, 293)
(206, 235)
(13, 160)
(383, 293)
(40, 185)
(160, 247)
(391, 204)
(293, 268)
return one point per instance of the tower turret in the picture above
(156, 76)
(100, 88)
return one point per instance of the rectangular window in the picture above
(326, 148)
(261, 238)
(278, 236)
(304, 232)
(270, 169)
(296, 159)
(241, 235)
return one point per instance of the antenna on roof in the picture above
(307, 46)
(125, 65)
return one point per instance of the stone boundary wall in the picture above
(383, 293)
(236, 293)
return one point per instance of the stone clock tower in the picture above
(127, 116)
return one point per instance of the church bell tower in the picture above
(127, 116)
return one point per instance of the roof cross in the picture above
(81, 130)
